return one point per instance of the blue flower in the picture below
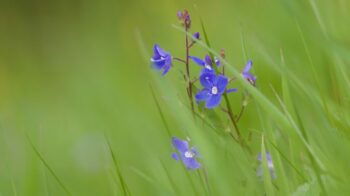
(269, 165)
(214, 87)
(248, 76)
(186, 154)
(161, 60)
(207, 62)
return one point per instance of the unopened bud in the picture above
(222, 53)
(196, 35)
(184, 18)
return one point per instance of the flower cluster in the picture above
(214, 82)
(214, 85)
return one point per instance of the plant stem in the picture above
(230, 115)
(239, 139)
(240, 113)
(189, 87)
(178, 59)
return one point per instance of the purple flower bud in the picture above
(185, 19)
(196, 35)
(179, 15)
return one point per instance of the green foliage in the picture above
(76, 78)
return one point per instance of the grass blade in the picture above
(48, 166)
(116, 165)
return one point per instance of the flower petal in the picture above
(160, 51)
(207, 79)
(206, 70)
(217, 62)
(195, 151)
(248, 76)
(221, 82)
(202, 95)
(156, 54)
(180, 145)
(175, 156)
(158, 64)
(248, 66)
(197, 60)
(166, 69)
(213, 101)
(191, 163)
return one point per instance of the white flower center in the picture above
(214, 90)
(207, 67)
(189, 154)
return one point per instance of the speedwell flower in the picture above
(186, 154)
(248, 76)
(207, 62)
(214, 86)
(269, 165)
(161, 60)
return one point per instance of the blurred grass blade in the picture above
(316, 168)
(316, 165)
(47, 166)
(143, 175)
(172, 183)
(161, 114)
(7, 163)
(118, 171)
(288, 161)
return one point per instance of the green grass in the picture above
(83, 113)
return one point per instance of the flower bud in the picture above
(184, 18)
(222, 53)
(196, 35)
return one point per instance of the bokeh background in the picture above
(73, 73)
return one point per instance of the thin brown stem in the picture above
(230, 115)
(189, 87)
(178, 59)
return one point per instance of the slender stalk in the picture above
(239, 139)
(244, 104)
(192, 43)
(230, 115)
(178, 59)
(189, 87)
(240, 113)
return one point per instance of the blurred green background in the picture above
(73, 72)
